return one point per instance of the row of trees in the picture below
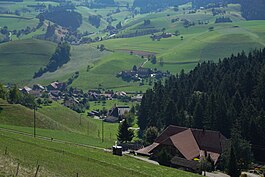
(224, 96)
(253, 9)
(63, 17)
(147, 6)
(94, 20)
(14, 96)
(59, 58)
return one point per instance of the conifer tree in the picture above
(124, 134)
(233, 170)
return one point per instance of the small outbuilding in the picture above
(117, 150)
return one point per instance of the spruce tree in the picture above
(14, 95)
(124, 134)
(233, 170)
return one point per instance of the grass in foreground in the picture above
(67, 160)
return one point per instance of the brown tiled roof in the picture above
(208, 140)
(186, 144)
(169, 131)
(146, 150)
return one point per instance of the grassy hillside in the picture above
(104, 72)
(14, 114)
(68, 160)
(20, 59)
(58, 122)
(17, 22)
(81, 57)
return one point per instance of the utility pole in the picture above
(88, 127)
(34, 122)
(102, 126)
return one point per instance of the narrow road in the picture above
(144, 159)
(142, 65)
(216, 174)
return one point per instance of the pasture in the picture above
(59, 159)
(20, 59)
(57, 121)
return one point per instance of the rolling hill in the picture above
(20, 59)
(198, 44)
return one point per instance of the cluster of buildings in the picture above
(160, 36)
(54, 90)
(77, 100)
(141, 73)
(114, 115)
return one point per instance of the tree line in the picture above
(228, 96)
(14, 96)
(63, 16)
(253, 9)
(250, 9)
(147, 6)
(58, 59)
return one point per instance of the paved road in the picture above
(251, 174)
(144, 159)
(216, 174)
(220, 174)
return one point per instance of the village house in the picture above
(187, 146)
(116, 113)
(71, 102)
(38, 87)
(25, 90)
(137, 98)
(55, 94)
(56, 86)
(142, 73)
(35, 93)
(160, 36)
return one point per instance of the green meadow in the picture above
(59, 159)
(57, 121)
(20, 59)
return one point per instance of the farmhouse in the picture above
(25, 90)
(119, 111)
(137, 98)
(187, 146)
(38, 87)
(116, 113)
(71, 102)
(56, 86)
